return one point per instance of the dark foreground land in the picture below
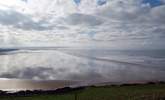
(150, 91)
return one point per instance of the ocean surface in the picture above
(83, 65)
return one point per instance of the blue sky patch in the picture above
(101, 2)
(153, 3)
(77, 1)
(91, 34)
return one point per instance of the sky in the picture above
(113, 24)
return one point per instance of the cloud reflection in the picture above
(56, 65)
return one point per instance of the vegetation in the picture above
(116, 92)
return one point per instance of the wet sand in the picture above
(17, 84)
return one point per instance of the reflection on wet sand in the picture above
(87, 66)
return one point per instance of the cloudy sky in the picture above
(126, 24)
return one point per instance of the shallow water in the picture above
(85, 65)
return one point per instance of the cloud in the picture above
(83, 19)
(21, 21)
(25, 1)
(113, 21)
(158, 14)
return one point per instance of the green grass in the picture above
(134, 92)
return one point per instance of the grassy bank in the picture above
(124, 92)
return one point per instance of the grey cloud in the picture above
(158, 14)
(78, 19)
(131, 21)
(124, 12)
(160, 30)
(136, 12)
(24, 0)
(163, 1)
(62, 27)
(22, 21)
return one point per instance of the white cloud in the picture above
(116, 22)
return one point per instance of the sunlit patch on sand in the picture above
(16, 84)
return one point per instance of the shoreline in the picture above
(74, 90)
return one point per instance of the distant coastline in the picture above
(30, 85)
